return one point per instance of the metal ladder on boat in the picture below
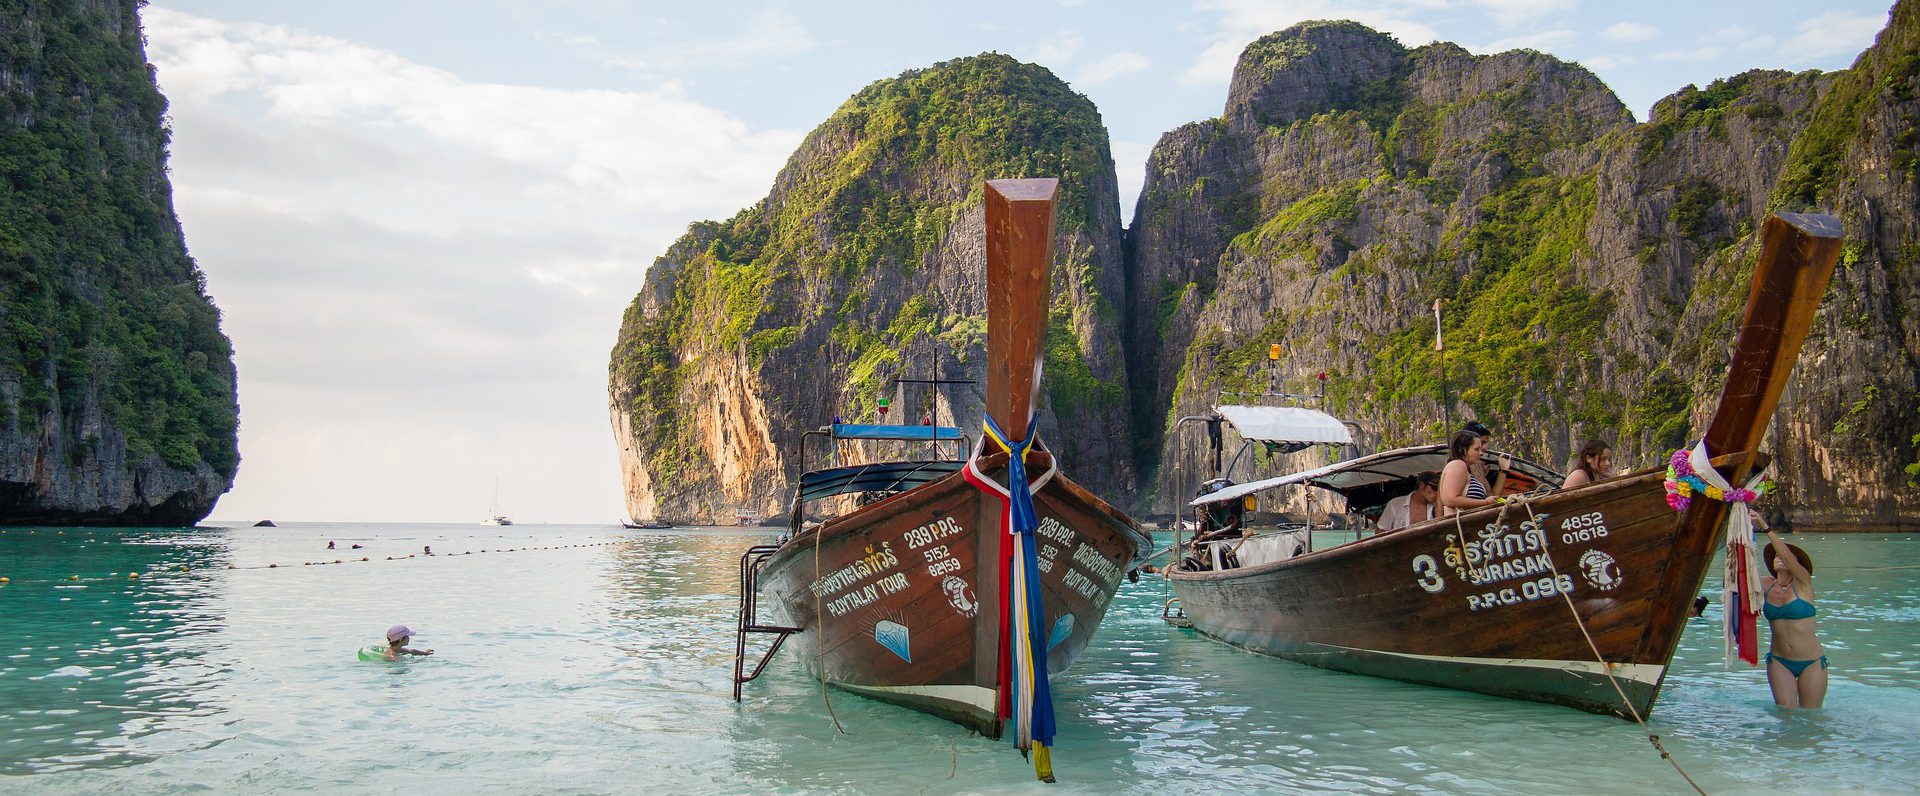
(749, 618)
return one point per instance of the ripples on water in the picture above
(593, 660)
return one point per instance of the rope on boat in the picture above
(1605, 667)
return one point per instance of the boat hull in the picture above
(1477, 604)
(899, 600)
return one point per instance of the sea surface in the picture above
(584, 659)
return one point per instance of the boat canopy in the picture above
(862, 431)
(876, 477)
(1374, 479)
(1286, 424)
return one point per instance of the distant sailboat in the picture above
(494, 517)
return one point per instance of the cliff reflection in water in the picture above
(97, 671)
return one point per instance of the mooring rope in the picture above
(1605, 667)
(820, 643)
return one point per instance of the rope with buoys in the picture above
(188, 569)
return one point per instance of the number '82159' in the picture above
(1583, 528)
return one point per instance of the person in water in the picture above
(397, 638)
(1595, 464)
(1461, 488)
(1699, 606)
(1794, 650)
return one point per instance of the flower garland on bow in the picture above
(1683, 483)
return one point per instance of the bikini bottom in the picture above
(1796, 667)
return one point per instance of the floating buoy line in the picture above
(185, 569)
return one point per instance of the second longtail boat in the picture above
(960, 586)
(1575, 597)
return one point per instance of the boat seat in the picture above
(876, 477)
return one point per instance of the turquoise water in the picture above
(595, 659)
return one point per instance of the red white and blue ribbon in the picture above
(1742, 578)
(1023, 642)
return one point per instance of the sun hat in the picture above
(398, 632)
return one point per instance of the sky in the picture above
(422, 221)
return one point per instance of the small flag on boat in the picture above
(1437, 345)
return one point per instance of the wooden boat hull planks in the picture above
(901, 608)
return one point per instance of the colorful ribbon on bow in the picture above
(1694, 471)
(1023, 642)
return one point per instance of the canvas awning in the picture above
(1375, 477)
(1286, 424)
(863, 431)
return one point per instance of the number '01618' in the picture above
(1583, 528)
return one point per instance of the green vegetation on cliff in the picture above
(99, 301)
(830, 274)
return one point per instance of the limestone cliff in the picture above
(117, 398)
(1591, 269)
(864, 264)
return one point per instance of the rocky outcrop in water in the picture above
(117, 398)
(1592, 269)
(865, 263)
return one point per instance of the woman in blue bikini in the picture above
(1791, 671)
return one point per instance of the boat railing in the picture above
(749, 619)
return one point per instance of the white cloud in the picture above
(1521, 10)
(1544, 40)
(1110, 67)
(1242, 21)
(1835, 33)
(1057, 50)
(1601, 62)
(1629, 32)
(423, 274)
(1690, 54)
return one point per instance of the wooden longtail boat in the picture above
(1475, 601)
(907, 599)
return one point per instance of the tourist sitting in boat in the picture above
(1418, 506)
(1595, 464)
(1485, 434)
(1461, 488)
(1793, 649)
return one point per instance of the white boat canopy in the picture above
(1286, 424)
(1368, 477)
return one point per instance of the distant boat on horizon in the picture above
(648, 525)
(494, 517)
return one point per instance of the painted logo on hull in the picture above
(1600, 570)
(960, 596)
(895, 637)
(1062, 628)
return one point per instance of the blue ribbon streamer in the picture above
(1025, 520)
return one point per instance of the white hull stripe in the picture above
(1638, 672)
(970, 695)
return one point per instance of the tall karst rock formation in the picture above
(865, 263)
(1592, 269)
(117, 398)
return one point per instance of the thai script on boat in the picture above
(931, 532)
(1097, 565)
(873, 563)
(866, 595)
(1496, 542)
